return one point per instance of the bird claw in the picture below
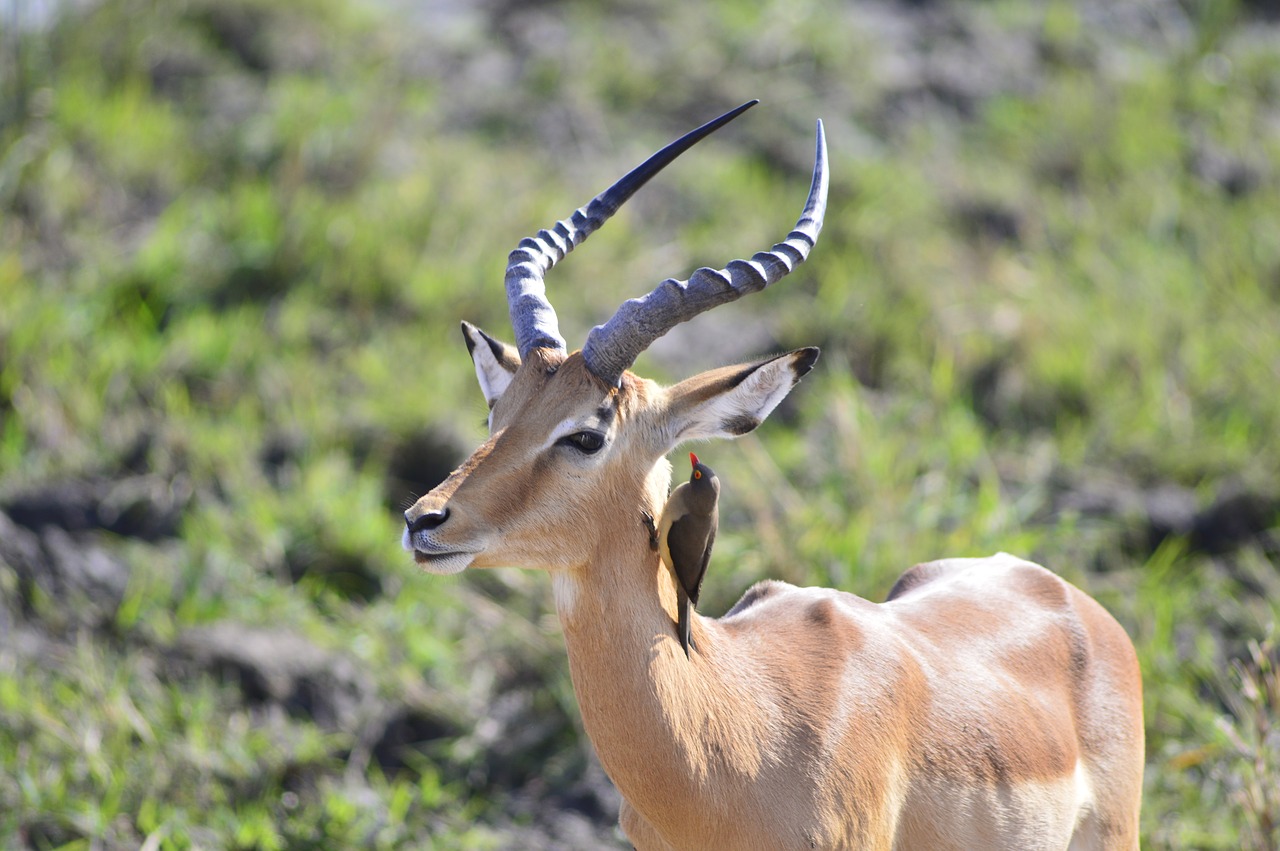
(652, 526)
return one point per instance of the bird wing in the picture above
(706, 556)
(671, 511)
(691, 534)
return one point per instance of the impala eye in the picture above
(584, 441)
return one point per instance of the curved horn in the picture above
(532, 316)
(612, 348)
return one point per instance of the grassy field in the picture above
(236, 239)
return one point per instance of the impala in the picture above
(986, 704)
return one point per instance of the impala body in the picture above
(987, 704)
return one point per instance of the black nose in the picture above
(430, 520)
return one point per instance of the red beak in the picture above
(693, 459)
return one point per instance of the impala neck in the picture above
(661, 724)
(623, 593)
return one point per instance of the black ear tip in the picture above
(468, 331)
(805, 359)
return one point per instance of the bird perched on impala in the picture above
(686, 534)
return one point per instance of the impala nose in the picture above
(430, 520)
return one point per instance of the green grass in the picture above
(236, 240)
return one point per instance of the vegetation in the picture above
(237, 236)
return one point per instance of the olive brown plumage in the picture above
(686, 535)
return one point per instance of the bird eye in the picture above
(697, 474)
(584, 441)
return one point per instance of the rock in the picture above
(280, 667)
(84, 580)
(1236, 517)
(147, 507)
(350, 575)
(1235, 175)
(581, 814)
(404, 730)
(19, 548)
(1148, 516)
(419, 461)
(75, 564)
(985, 219)
(1006, 398)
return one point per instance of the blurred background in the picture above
(236, 241)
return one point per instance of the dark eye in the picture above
(583, 441)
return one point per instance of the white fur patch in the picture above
(444, 563)
(564, 590)
(1084, 789)
(447, 565)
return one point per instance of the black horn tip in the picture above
(616, 195)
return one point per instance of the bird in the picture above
(686, 534)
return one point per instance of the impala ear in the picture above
(496, 362)
(732, 400)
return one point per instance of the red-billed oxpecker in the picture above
(686, 534)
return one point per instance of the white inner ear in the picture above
(493, 377)
(740, 409)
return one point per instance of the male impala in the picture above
(986, 704)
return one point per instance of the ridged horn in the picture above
(532, 316)
(613, 347)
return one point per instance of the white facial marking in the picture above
(573, 426)
(448, 564)
(563, 429)
(432, 557)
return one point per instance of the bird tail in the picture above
(682, 622)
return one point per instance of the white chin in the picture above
(443, 565)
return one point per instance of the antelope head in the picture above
(577, 442)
